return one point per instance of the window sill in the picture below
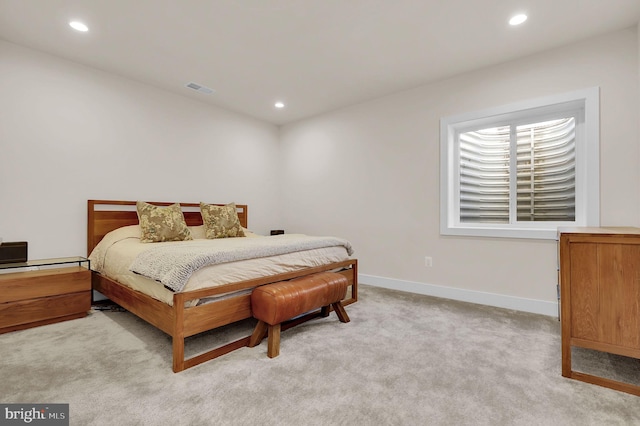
(522, 233)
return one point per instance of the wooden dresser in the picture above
(58, 290)
(600, 296)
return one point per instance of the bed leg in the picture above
(178, 354)
(178, 332)
(354, 286)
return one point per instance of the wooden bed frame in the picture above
(179, 321)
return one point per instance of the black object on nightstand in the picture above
(277, 231)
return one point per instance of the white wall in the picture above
(69, 133)
(370, 173)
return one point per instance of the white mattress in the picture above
(117, 250)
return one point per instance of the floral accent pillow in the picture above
(158, 224)
(221, 221)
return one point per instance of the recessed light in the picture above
(518, 19)
(279, 105)
(78, 26)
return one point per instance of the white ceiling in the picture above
(314, 55)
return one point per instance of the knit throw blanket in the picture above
(173, 263)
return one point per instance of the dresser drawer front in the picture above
(47, 282)
(28, 311)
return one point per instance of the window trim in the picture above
(587, 159)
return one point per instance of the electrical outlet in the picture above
(428, 261)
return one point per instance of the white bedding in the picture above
(114, 255)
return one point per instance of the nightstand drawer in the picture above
(47, 308)
(47, 282)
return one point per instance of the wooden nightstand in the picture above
(59, 290)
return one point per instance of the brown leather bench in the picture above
(275, 303)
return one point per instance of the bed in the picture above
(181, 317)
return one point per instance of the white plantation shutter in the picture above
(546, 177)
(544, 172)
(484, 176)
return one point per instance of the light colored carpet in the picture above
(404, 359)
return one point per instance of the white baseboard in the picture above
(479, 297)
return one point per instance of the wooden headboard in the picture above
(104, 216)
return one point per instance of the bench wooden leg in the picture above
(274, 341)
(258, 334)
(324, 312)
(342, 314)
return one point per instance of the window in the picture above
(522, 170)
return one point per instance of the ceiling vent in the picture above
(199, 88)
